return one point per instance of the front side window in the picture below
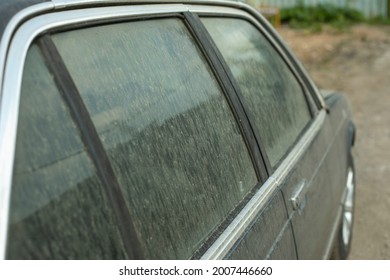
(270, 91)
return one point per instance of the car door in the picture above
(129, 145)
(302, 144)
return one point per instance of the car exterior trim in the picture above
(230, 93)
(66, 3)
(237, 228)
(9, 31)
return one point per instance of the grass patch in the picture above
(313, 17)
(379, 21)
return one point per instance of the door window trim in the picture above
(230, 91)
(223, 245)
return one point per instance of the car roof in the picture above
(11, 8)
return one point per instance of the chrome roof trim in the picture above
(11, 28)
(235, 230)
(9, 107)
(67, 3)
(72, 3)
(217, 10)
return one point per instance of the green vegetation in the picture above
(379, 21)
(313, 17)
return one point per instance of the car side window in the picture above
(170, 136)
(271, 93)
(58, 207)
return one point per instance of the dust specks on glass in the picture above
(58, 207)
(176, 149)
(170, 136)
(271, 93)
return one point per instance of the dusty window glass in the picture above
(173, 143)
(271, 92)
(58, 207)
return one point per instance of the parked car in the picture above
(178, 130)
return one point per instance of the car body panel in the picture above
(321, 169)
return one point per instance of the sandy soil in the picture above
(357, 62)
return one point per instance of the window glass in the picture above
(170, 136)
(271, 93)
(58, 208)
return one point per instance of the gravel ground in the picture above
(357, 63)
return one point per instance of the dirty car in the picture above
(169, 130)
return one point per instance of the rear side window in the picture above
(271, 93)
(169, 134)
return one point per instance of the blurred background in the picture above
(345, 46)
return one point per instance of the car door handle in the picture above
(298, 198)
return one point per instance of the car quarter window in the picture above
(174, 145)
(271, 93)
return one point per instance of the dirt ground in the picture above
(357, 62)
